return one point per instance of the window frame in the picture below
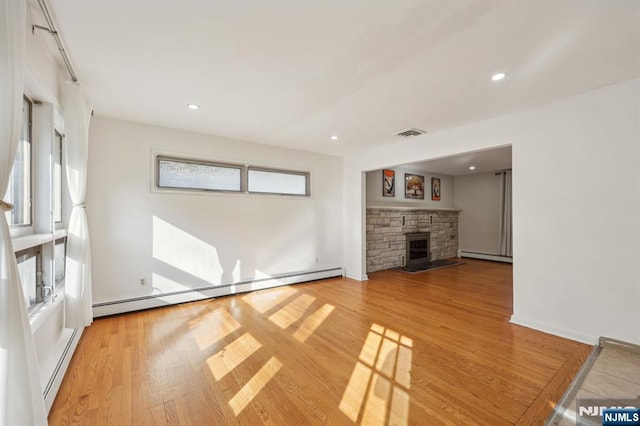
(58, 149)
(25, 226)
(189, 160)
(61, 240)
(307, 176)
(28, 253)
(41, 122)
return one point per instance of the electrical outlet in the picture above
(143, 281)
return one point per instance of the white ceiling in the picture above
(486, 161)
(294, 72)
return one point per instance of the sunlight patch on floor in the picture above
(213, 327)
(312, 322)
(354, 394)
(377, 390)
(292, 311)
(375, 410)
(232, 355)
(264, 300)
(245, 395)
(399, 412)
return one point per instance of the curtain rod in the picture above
(51, 29)
(499, 172)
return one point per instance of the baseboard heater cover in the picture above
(53, 385)
(485, 256)
(208, 292)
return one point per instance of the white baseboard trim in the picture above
(53, 385)
(557, 331)
(485, 256)
(201, 293)
(364, 277)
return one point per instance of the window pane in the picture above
(19, 190)
(278, 182)
(59, 255)
(27, 269)
(57, 179)
(183, 174)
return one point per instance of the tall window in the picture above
(57, 178)
(19, 190)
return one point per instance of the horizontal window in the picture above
(177, 173)
(271, 181)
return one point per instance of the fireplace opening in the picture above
(417, 249)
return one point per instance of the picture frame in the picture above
(413, 186)
(388, 183)
(436, 189)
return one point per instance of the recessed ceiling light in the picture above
(498, 76)
(334, 138)
(472, 167)
(193, 107)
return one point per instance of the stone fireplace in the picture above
(387, 229)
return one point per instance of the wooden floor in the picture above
(427, 348)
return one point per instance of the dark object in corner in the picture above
(436, 264)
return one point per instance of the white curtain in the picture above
(505, 234)
(77, 115)
(21, 400)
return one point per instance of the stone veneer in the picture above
(386, 242)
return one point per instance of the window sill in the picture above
(28, 241)
(34, 240)
(59, 233)
(19, 231)
(40, 315)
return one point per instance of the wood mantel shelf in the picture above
(426, 208)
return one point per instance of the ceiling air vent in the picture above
(411, 132)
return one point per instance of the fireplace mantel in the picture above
(424, 208)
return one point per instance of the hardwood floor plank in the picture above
(434, 347)
(547, 399)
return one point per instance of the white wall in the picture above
(375, 198)
(478, 198)
(43, 74)
(180, 241)
(576, 269)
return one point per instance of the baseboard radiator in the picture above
(201, 293)
(485, 256)
(54, 382)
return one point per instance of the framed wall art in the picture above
(435, 189)
(388, 183)
(413, 186)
